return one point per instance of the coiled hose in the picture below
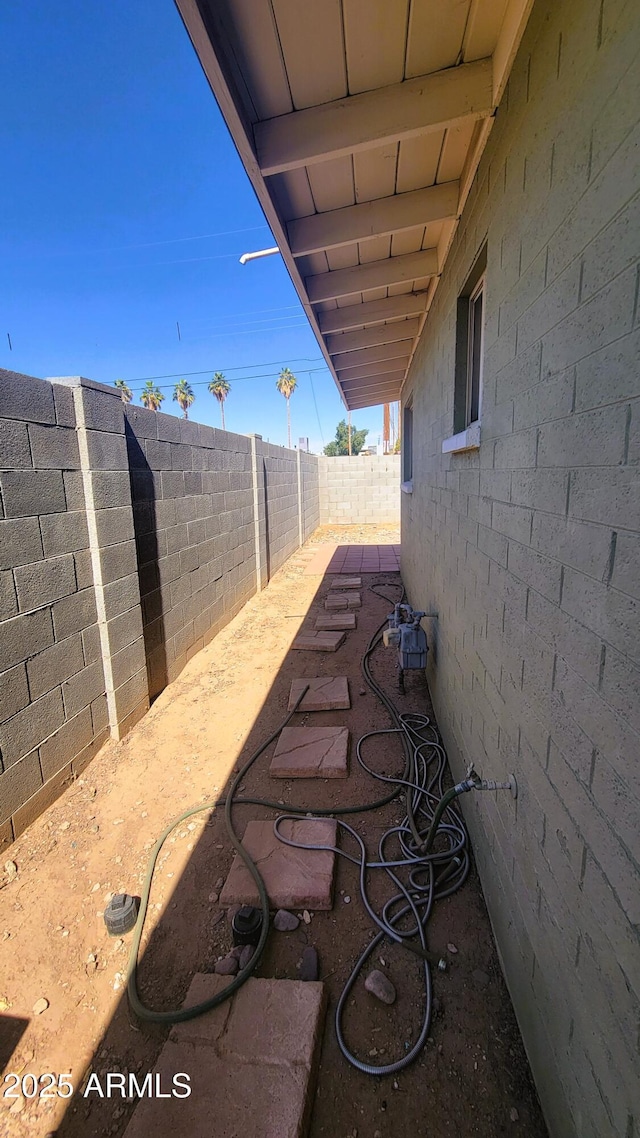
(432, 874)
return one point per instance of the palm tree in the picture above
(126, 394)
(183, 395)
(220, 388)
(151, 396)
(286, 384)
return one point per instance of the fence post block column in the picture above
(259, 513)
(100, 425)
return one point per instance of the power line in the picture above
(316, 405)
(238, 379)
(237, 367)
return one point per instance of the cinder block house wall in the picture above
(528, 550)
(192, 497)
(360, 490)
(53, 704)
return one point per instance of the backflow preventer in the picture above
(406, 634)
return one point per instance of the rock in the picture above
(306, 916)
(452, 948)
(213, 898)
(347, 900)
(380, 986)
(228, 966)
(219, 883)
(40, 1006)
(217, 917)
(513, 1114)
(309, 964)
(246, 955)
(11, 869)
(285, 922)
(480, 978)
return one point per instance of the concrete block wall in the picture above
(128, 539)
(53, 703)
(310, 489)
(192, 495)
(360, 490)
(281, 500)
(528, 550)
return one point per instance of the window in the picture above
(467, 403)
(407, 448)
(474, 354)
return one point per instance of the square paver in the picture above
(252, 1063)
(318, 641)
(311, 752)
(340, 601)
(326, 693)
(294, 878)
(346, 583)
(329, 622)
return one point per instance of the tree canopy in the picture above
(340, 445)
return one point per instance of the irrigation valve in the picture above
(405, 634)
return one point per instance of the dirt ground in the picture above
(472, 1077)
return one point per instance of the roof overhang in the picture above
(360, 124)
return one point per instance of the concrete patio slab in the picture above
(311, 752)
(326, 693)
(338, 601)
(319, 641)
(252, 1064)
(336, 621)
(294, 878)
(346, 583)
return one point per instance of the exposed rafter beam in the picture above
(393, 351)
(376, 218)
(381, 367)
(368, 337)
(371, 382)
(375, 274)
(360, 122)
(373, 312)
(373, 400)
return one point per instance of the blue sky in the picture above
(124, 209)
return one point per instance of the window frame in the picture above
(469, 363)
(407, 447)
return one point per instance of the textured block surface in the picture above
(251, 1062)
(311, 752)
(329, 622)
(339, 601)
(294, 878)
(346, 583)
(318, 641)
(326, 693)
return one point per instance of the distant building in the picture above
(303, 444)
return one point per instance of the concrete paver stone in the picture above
(336, 621)
(294, 878)
(339, 601)
(326, 693)
(346, 583)
(252, 1064)
(318, 641)
(311, 752)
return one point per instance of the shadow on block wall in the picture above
(143, 499)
